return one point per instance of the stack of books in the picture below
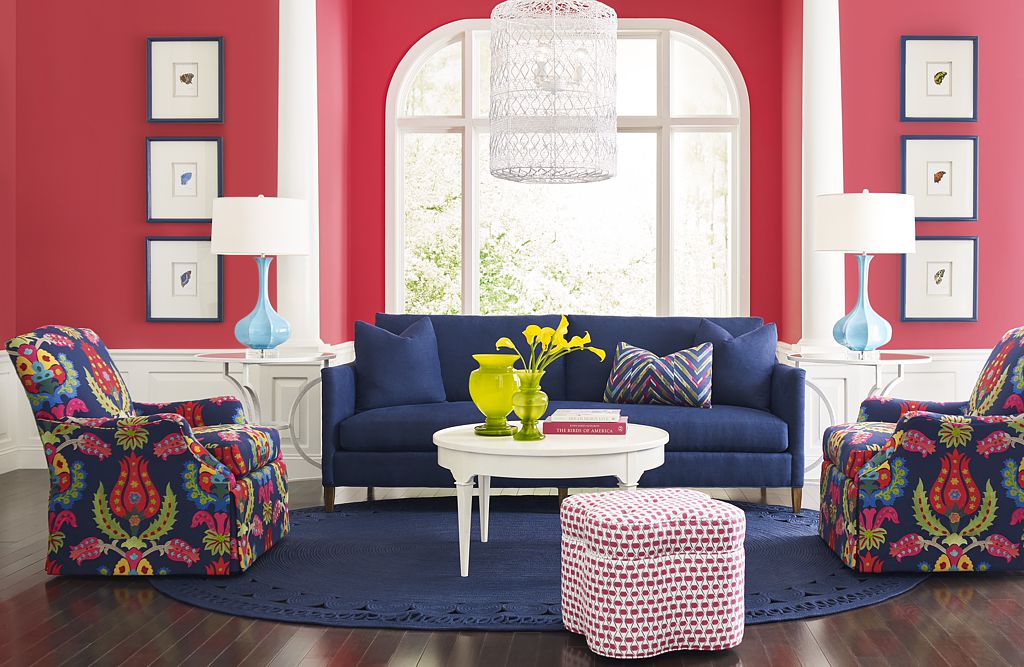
(585, 422)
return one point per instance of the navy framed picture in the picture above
(185, 79)
(942, 174)
(184, 280)
(938, 78)
(183, 177)
(940, 280)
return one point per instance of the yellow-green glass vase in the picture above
(530, 403)
(491, 387)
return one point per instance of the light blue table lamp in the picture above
(875, 222)
(260, 226)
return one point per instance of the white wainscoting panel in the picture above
(950, 376)
(175, 375)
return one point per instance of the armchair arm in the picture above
(339, 403)
(132, 495)
(945, 493)
(890, 410)
(787, 403)
(203, 412)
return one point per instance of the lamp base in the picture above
(862, 329)
(263, 328)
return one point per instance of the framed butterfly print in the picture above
(183, 177)
(184, 280)
(940, 280)
(185, 79)
(939, 78)
(942, 174)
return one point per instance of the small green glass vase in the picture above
(530, 404)
(491, 387)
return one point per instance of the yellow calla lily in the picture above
(563, 325)
(596, 350)
(545, 336)
(580, 341)
(505, 343)
(530, 333)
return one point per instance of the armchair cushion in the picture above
(243, 448)
(850, 446)
(1000, 387)
(891, 410)
(68, 372)
(204, 412)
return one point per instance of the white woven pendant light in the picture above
(552, 117)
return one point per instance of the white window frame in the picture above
(470, 126)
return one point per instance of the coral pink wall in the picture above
(7, 166)
(333, 26)
(790, 322)
(383, 32)
(870, 34)
(79, 237)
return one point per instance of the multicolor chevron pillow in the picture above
(681, 378)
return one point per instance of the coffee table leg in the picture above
(484, 483)
(464, 491)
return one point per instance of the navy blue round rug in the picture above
(395, 564)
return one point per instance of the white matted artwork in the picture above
(939, 78)
(183, 280)
(186, 79)
(940, 280)
(183, 178)
(942, 174)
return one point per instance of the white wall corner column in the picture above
(823, 281)
(298, 277)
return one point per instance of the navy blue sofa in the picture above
(724, 446)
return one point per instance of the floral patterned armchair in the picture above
(143, 488)
(933, 487)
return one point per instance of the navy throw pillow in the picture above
(398, 369)
(743, 364)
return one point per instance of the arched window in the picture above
(666, 236)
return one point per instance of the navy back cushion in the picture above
(397, 368)
(459, 337)
(586, 375)
(742, 365)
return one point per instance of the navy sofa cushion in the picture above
(725, 428)
(742, 365)
(397, 368)
(586, 376)
(459, 337)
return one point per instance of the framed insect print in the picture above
(939, 79)
(184, 280)
(940, 280)
(185, 79)
(942, 174)
(183, 177)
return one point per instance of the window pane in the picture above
(586, 248)
(437, 88)
(483, 72)
(698, 87)
(637, 77)
(432, 205)
(701, 211)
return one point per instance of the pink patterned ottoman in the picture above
(652, 571)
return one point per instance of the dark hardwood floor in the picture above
(949, 620)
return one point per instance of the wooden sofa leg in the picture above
(562, 495)
(764, 495)
(369, 493)
(328, 498)
(798, 499)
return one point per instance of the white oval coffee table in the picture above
(470, 456)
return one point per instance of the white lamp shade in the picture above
(865, 222)
(260, 226)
